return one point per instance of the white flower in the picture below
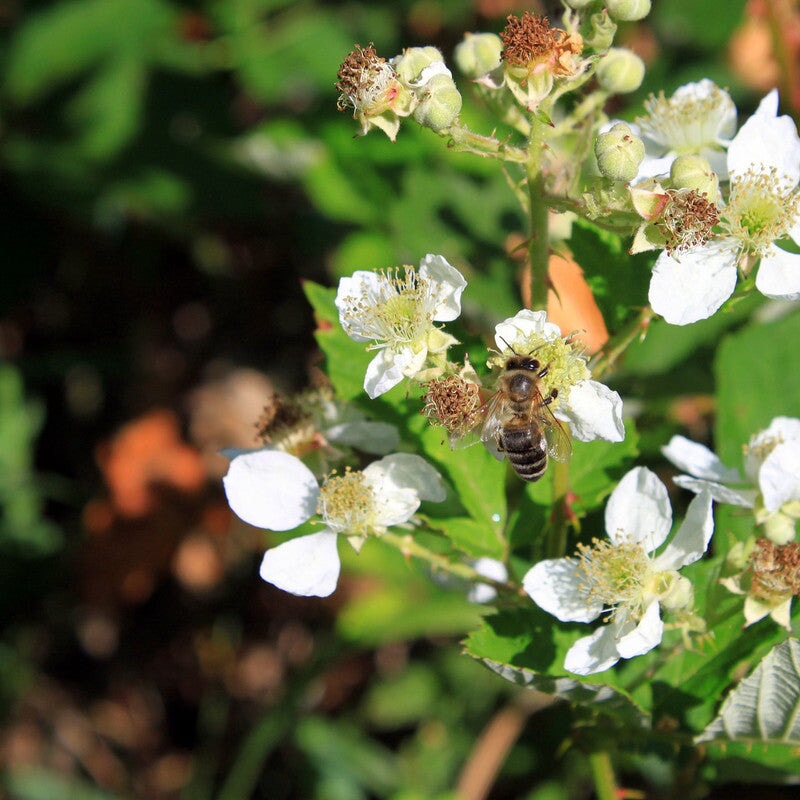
(274, 490)
(621, 576)
(592, 410)
(699, 119)
(395, 311)
(763, 208)
(771, 484)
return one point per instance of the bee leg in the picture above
(552, 396)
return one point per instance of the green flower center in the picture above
(347, 504)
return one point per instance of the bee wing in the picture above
(559, 442)
(473, 434)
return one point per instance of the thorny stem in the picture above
(465, 140)
(538, 243)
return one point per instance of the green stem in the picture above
(408, 546)
(464, 140)
(605, 783)
(538, 242)
(559, 520)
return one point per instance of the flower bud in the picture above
(410, 64)
(620, 71)
(679, 595)
(694, 172)
(478, 54)
(779, 528)
(628, 10)
(619, 153)
(439, 105)
(603, 30)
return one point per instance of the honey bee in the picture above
(517, 422)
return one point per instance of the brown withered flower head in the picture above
(688, 220)
(453, 403)
(530, 42)
(776, 569)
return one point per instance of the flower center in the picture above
(563, 358)
(399, 311)
(347, 503)
(776, 569)
(763, 207)
(615, 575)
(453, 403)
(686, 123)
(529, 41)
(687, 221)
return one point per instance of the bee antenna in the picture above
(508, 345)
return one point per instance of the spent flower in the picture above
(621, 576)
(395, 311)
(275, 490)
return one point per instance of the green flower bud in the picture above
(413, 60)
(478, 54)
(601, 33)
(694, 172)
(620, 71)
(628, 10)
(439, 105)
(619, 153)
(779, 528)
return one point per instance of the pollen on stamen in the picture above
(688, 220)
(347, 503)
(529, 40)
(453, 403)
(613, 575)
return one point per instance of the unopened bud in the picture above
(680, 594)
(628, 10)
(410, 64)
(439, 105)
(620, 71)
(619, 153)
(602, 31)
(694, 172)
(779, 528)
(478, 54)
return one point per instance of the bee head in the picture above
(523, 362)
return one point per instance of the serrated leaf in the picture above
(765, 706)
(474, 538)
(602, 698)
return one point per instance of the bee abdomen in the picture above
(526, 453)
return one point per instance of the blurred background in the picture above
(170, 173)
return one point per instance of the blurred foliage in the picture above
(157, 153)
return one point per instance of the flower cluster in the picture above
(709, 238)
(621, 577)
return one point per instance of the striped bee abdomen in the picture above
(525, 449)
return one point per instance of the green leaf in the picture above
(474, 538)
(36, 783)
(755, 382)
(760, 719)
(67, 39)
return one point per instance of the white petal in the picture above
(594, 412)
(409, 471)
(764, 143)
(779, 275)
(692, 537)
(370, 437)
(594, 653)
(488, 568)
(271, 489)
(698, 460)
(307, 566)
(768, 107)
(449, 283)
(638, 510)
(360, 283)
(387, 369)
(525, 325)
(645, 636)
(695, 287)
(553, 586)
(779, 476)
(722, 494)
